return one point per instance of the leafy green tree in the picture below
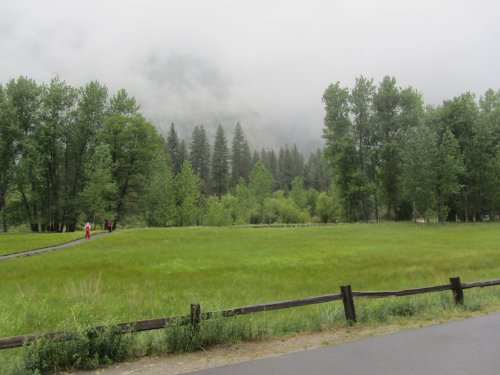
(448, 167)
(363, 132)
(133, 142)
(220, 163)
(337, 118)
(487, 140)
(350, 183)
(25, 98)
(460, 116)
(158, 200)
(244, 203)
(261, 183)
(419, 170)
(123, 104)
(325, 208)
(298, 194)
(79, 139)
(187, 196)
(58, 104)
(278, 209)
(217, 213)
(340, 150)
(386, 104)
(98, 199)
(9, 133)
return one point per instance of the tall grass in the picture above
(16, 242)
(89, 349)
(140, 274)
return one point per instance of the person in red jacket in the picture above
(87, 231)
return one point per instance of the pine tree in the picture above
(286, 168)
(173, 149)
(241, 157)
(200, 156)
(183, 153)
(220, 164)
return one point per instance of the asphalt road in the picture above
(465, 347)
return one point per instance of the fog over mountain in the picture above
(263, 63)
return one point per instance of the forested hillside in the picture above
(74, 154)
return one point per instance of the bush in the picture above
(86, 349)
(217, 213)
(283, 211)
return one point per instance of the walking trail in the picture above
(50, 248)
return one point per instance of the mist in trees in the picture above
(75, 154)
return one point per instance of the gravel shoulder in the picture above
(226, 355)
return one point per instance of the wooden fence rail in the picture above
(196, 316)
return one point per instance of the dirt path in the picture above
(50, 248)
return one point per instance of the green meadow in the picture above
(15, 242)
(145, 273)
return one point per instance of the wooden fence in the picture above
(196, 315)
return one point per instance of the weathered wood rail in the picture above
(196, 316)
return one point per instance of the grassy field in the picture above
(140, 274)
(145, 273)
(15, 242)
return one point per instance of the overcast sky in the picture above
(265, 63)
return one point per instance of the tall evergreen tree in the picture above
(287, 170)
(240, 157)
(173, 149)
(314, 172)
(200, 157)
(297, 162)
(274, 167)
(183, 153)
(220, 163)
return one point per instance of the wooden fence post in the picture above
(458, 293)
(195, 316)
(350, 313)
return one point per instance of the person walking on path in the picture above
(87, 231)
(110, 226)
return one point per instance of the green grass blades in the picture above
(16, 242)
(145, 273)
(140, 274)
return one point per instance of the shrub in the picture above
(86, 349)
(217, 213)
